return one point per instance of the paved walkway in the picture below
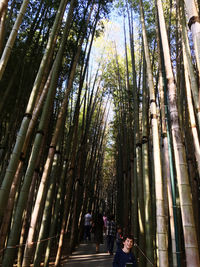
(85, 255)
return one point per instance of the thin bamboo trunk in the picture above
(160, 216)
(59, 200)
(189, 65)
(43, 234)
(194, 26)
(2, 24)
(7, 50)
(3, 6)
(31, 195)
(192, 116)
(136, 150)
(145, 171)
(171, 206)
(128, 128)
(194, 88)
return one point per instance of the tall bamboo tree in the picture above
(160, 217)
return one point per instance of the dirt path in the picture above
(85, 255)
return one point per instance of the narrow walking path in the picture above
(85, 255)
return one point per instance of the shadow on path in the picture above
(85, 255)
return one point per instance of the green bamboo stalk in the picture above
(59, 196)
(3, 12)
(167, 165)
(43, 234)
(194, 25)
(192, 115)
(3, 6)
(9, 45)
(188, 64)
(145, 171)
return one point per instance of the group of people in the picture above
(102, 224)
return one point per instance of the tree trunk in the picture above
(160, 216)
(194, 26)
(145, 171)
(7, 50)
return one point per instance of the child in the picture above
(124, 257)
(119, 238)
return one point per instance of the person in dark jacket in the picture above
(124, 257)
(119, 237)
(110, 234)
(97, 229)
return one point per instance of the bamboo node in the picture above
(153, 116)
(191, 247)
(139, 144)
(22, 157)
(144, 139)
(37, 170)
(52, 146)
(40, 132)
(189, 225)
(164, 135)
(193, 20)
(28, 115)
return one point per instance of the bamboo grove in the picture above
(56, 158)
(52, 126)
(156, 130)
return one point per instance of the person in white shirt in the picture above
(87, 226)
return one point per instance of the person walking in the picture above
(87, 226)
(124, 257)
(110, 234)
(97, 229)
(105, 223)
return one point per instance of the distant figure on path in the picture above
(105, 223)
(110, 234)
(87, 226)
(97, 229)
(124, 257)
(119, 237)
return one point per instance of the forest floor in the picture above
(85, 255)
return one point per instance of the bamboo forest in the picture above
(100, 112)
